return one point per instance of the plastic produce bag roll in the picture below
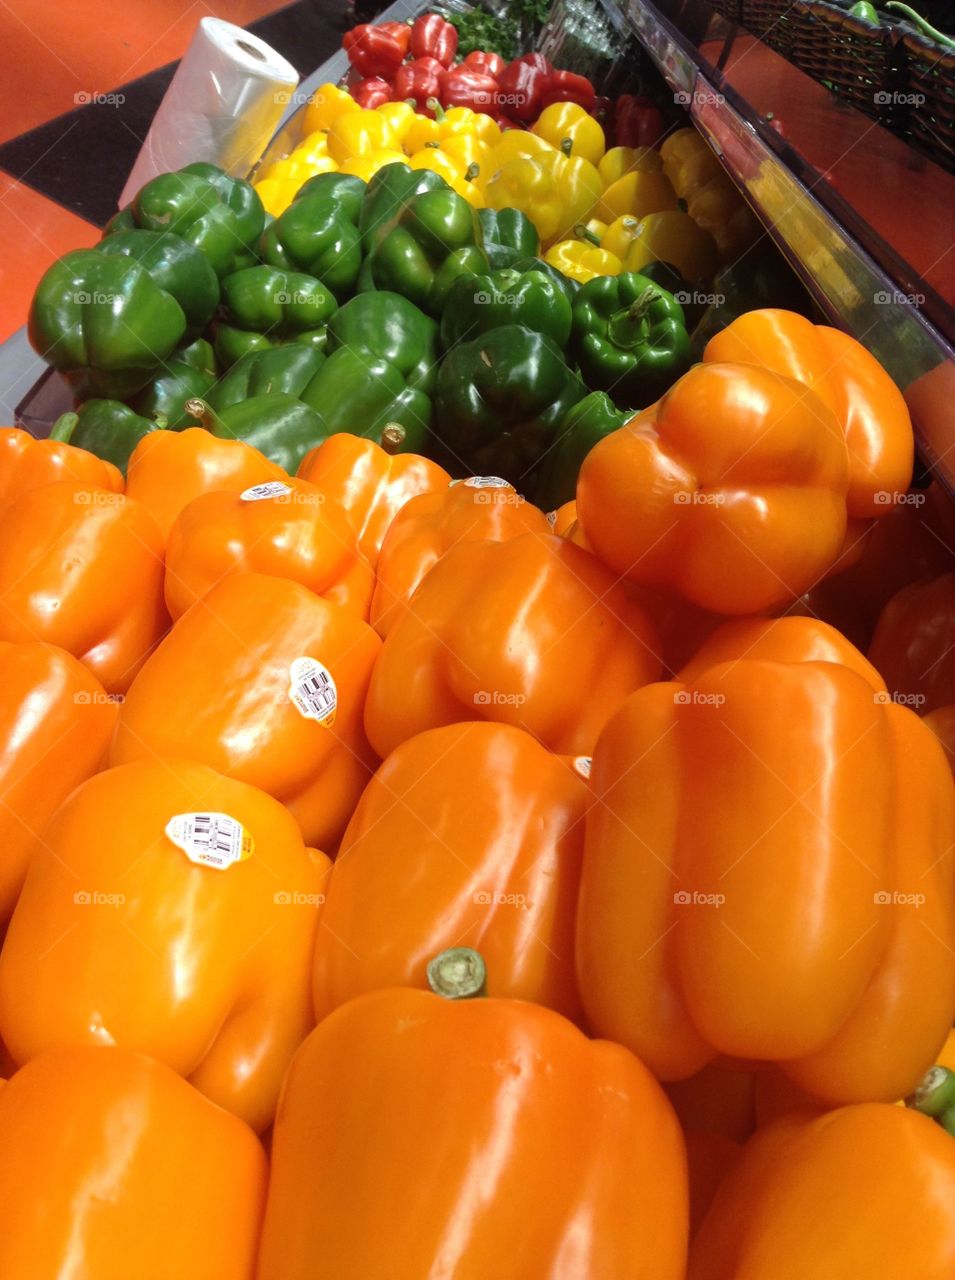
(223, 105)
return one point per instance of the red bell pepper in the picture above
(521, 87)
(537, 60)
(567, 86)
(433, 37)
(637, 122)
(488, 63)
(372, 92)
(419, 80)
(602, 112)
(463, 87)
(377, 51)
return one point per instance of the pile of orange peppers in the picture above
(398, 880)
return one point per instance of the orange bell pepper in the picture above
(471, 1138)
(265, 682)
(82, 569)
(718, 1099)
(565, 518)
(285, 530)
(709, 1158)
(126, 935)
(942, 723)
(56, 721)
(862, 1191)
(431, 524)
(170, 468)
(497, 869)
(369, 483)
(533, 632)
(730, 491)
(768, 875)
(112, 1167)
(914, 644)
(863, 398)
(26, 463)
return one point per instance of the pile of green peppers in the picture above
(363, 307)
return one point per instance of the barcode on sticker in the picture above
(486, 482)
(210, 839)
(583, 765)
(312, 690)
(270, 489)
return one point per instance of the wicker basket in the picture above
(772, 20)
(927, 88)
(856, 59)
(728, 8)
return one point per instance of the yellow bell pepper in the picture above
(678, 146)
(438, 161)
(637, 193)
(365, 167)
(566, 121)
(358, 133)
(454, 123)
(693, 171)
(276, 194)
(672, 236)
(593, 227)
(518, 142)
(620, 235)
(719, 209)
(326, 104)
(283, 180)
(400, 117)
(582, 261)
(523, 183)
(316, 144)
(578, 186)
(293, 168)
(621, 160)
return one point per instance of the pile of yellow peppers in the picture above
(598, 212)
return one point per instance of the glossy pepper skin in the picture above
(106, 1157)
(834, 808)
(377, 50)
(55, 725)
(521, 87)
(386, 193)
(170, 468)
(419, 81)
(285, 370)
(584, 424)
(176, 266)
(499, 868)
(581, 261)
(435, 238)
(278, 304)
(94, 954)
(853, 385)
(107, 428)
(433, 37)
(914, 644)
(567, 86)
(27, 463)
(372, 93)
(294, 531)
(879, 1180)
(472, 1093)
(103, 322)
(238, 645)
(566, 124)
(462, 86)
(500, 400)
(318, 233)
(220, 215)
(279, 426)
(481, 509)
(730, 492)
(476, 304)
(672, 236)
(630, 338)
(189, 372)
(637, 122)
(387, 325)
(370, 483)
(367, 395)
(82, 569)
(476, 652)
(508, 235)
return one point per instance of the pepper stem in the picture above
(434, 105)
(458, 974)
(471, 172)
(918, 21)
(204, 414)
(627, 327)
(935, 1093)
(64, 427)
(393, 436)
(585, 233)
(566, 145)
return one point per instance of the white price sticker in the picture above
(210, 839)
(271, 489)
(312, 690)
(583, 764)
(551, 518)
(486, 482)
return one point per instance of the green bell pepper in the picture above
(629, 338)
(762, 278)
(570, 286)
(285, 370)
(273, 304)
(389, 190)
(107, 428)
(388, 325)
(104, 323)
(478, 303)
(278, 425)
(363, 394)
(187, 375)
(434, 238)
(220, 215)
(347, 191)
(509, 236)
(176, 266)
(317, 234)
(585, 424)
(500, 402)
